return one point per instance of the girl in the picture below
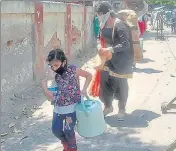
(68, 95)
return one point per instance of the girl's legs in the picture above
(57, 129)
(70, 122)
(57, 126)
(66, 134)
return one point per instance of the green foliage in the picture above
(163, 2)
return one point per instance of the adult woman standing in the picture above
(114, 74)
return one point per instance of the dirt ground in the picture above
(26, 117)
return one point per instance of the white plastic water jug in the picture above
(51, 83)
(52, 86)
(90, 118)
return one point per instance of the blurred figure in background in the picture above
(173, 23)
(168, 16)
(96, 27)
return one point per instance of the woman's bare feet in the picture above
(121, 114)
(108, 110)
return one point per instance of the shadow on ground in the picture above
(146, 60)
(19, 106)
(151, 35)
(137, 119)
(170, 36)
(147, 70)
(39, 137)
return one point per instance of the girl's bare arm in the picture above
(86, 75)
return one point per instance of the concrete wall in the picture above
(16, 45)
(30, 30)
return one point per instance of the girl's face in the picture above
(55, 64)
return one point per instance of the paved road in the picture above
(144, 128)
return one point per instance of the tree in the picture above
(163, 2)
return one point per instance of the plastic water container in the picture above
(90, 118)
(52, 86)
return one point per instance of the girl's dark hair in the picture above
(56, 54)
